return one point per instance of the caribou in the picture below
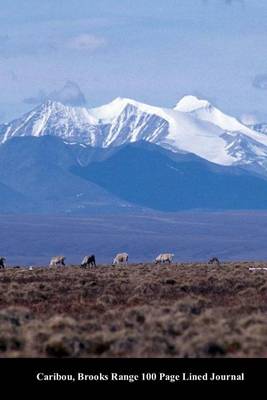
(164, 258)
(2, 262)
(121, 259)
(57, 261)
(88, 261)
(214, 261)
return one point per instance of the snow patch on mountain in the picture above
(204, 111)
(191, 103)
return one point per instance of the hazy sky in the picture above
(154, 51)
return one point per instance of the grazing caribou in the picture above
(121, 259)
(88, 261)
(214, 261)
(164, 258)
(57, 261)
(2, 262)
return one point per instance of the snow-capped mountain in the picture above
(193, 125)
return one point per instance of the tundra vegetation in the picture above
(144, 310)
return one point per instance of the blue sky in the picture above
(154, 51)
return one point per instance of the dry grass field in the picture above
(181, 310)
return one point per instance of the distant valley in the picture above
(33, 240)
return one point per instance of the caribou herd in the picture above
(120, 259)
(90, 261)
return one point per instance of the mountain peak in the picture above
(122, 102)
(112, 110)
(191, 103)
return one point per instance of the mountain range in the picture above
(129, 156)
